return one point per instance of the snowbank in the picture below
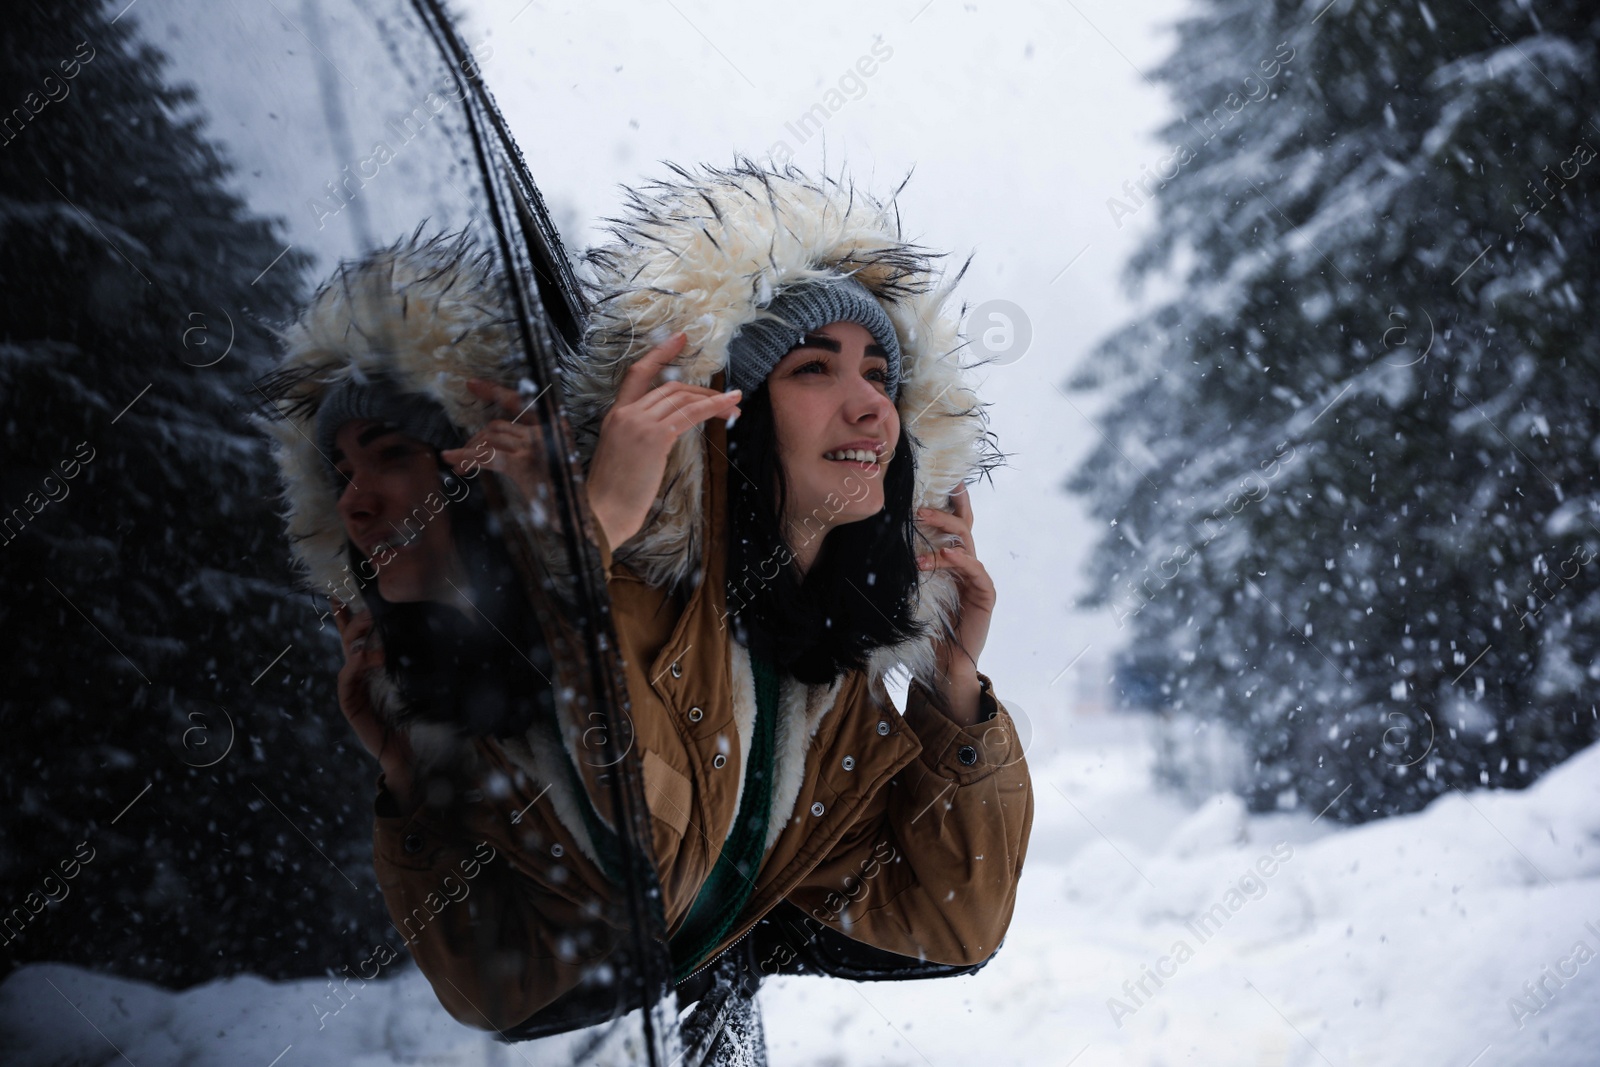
(1399, 942)
(1145, 933)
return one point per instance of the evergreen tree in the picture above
(148, 620)
(1350, 477)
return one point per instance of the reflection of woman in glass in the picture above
(392, 399)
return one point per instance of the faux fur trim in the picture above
(704, 253)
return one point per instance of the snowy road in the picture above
(1145, 934)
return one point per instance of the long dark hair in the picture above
(484, 675)
(859, 593)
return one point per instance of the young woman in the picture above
(764, 579)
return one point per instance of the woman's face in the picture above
(394, 511)
(830, 396)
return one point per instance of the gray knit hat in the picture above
(372, 398)
(801, 308)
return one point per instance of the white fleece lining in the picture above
(537, 757)
(744, 716)
(801, 709)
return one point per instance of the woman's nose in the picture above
(356, 502)
(867, 399)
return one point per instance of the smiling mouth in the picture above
(394, 545)
(860, 457)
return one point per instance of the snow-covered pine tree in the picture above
(146, 581)
(1352, 504)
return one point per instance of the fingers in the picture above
(355, 637)
(637, 381)
(956, 524)
(950, 557)
(353, 626)
(977, 587)
(676, 394)
(696, 410)
(520, 430)
(502, 437)
(512, 401)
(961, 501)
(707, 407)
(465, 460)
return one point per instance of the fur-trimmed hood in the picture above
(425, 313)
(704, 252)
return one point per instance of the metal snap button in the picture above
(719, 761)
(817, 808)
(883, 727)
(967, 755)
(849, 763)
(557, 851)
(677, 671)
(696, 714)
(412, 843)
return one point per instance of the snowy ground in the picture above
(1402, 942)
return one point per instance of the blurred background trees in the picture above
(147, 591)
(1350, 475)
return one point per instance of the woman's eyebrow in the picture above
(828, 344)
(372, 433)
(366, 437)
(817, 340)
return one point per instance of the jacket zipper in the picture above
(715, 956)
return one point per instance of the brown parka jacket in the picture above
(906, 832)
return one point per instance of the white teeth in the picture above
(395, 544)
(859, 455)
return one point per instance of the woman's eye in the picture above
(807, 366)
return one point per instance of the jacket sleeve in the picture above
(929, 868)
(494, 915)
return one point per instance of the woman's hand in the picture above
(630, 458)
(514, 445)
(362, 655)
(958, 659)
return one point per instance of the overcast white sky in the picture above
(1021, 119)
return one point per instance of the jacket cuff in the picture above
(963, 754)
